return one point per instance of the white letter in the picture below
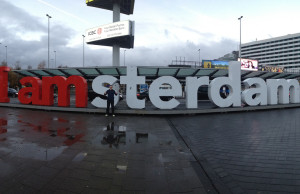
(279, 90)
(98, 88)
(260, 91)
(155, 92)
(191, 90)
(131, 79)
(233, 82)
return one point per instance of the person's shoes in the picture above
(106, 115)
(114, 115)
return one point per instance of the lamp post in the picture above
(240, 18)
(199, 57)
(54, 59)
(48, 37)
(83, 36)
(124, 56)
(6, 56)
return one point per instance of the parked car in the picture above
(203, 93)
(12, 93)
(145, 95)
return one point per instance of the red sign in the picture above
(41, 92)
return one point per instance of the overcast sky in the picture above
(164, 29)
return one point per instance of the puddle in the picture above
(79, 157)
(114, 137)
(141, 137)
(73, 139)
(121, 168)
(3, 131)
(3, 124)
(22, 149)
(60, 132)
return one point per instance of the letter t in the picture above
(131, 80)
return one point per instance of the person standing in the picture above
(110, 100)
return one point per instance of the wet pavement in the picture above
(55, 152)
(250, 152)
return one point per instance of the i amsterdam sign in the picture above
(257, 91)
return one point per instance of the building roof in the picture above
(151, 72)
(271, 39)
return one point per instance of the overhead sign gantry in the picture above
(119, 34)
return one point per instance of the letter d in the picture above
(233, 82)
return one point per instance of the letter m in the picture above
(64, 85)
(283, 91)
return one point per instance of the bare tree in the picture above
(42, 65)
(29, 67)
(17, 65)
(3, 63)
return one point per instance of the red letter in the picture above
(35, 90)
(63, 85)
(4, 84)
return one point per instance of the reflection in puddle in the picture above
(121, 168)
(141, 137)
(44, 128)
(112, 137)
(3, 124)
(34, 151)
(79, 157)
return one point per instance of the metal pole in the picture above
(6, 56)
(116, 47)
(54, 59)
(124, 56)
(48, 38)
(83, 36)
(240, 18)
(199, 58)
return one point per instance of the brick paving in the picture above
(247, 152)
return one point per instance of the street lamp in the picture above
(55, 59)
(124, 56)
(83, 36)
(48, 37)
(240, 18)
(6, 56)
(199, 58)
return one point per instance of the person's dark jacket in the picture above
(110, 94)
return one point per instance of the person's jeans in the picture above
(110, 103)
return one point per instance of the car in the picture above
(145, 95)
(203, 93)
(12, 93)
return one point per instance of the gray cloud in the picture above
(34, 51)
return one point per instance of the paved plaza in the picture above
(57, 152)
(249, 152)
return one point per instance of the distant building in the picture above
(233, 56)
(283, 51)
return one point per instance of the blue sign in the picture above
(143, 87)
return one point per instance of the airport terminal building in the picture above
(281, 51)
